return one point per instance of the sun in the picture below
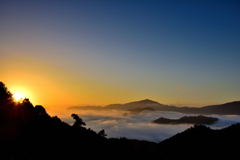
(18, 96)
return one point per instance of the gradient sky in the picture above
(77, 52)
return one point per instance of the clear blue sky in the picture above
(175, 52)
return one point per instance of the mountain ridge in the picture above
(136, 104)
(229, 108)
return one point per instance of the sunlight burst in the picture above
(18, 96)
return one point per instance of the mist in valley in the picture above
(117, 123)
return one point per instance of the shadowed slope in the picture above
(200, 142)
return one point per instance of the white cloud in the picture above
(110, 122)
(138, 126)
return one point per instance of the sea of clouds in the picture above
(117, 124)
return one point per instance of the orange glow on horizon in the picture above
(45, 84)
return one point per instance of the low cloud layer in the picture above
(117, 124)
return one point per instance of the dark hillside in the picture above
(223, 109)
(200, 142)
(28, 132)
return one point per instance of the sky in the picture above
(88, 52)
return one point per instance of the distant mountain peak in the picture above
(136, 104)
(143, 102)
(148, 101)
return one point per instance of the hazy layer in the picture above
(139, 126)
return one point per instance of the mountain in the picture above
(201, 142)
(231, 108)
(187, 119)
(138, 104)
(227, 108)
(146, 102)
(139, 110)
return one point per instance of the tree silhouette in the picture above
(102, 133)
(40, 110)
(79, 121)
(5, 94)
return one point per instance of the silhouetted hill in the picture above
(200, 142)
(187, 119)
(227, 108)
(138, 110)
(138, 104)
(231, 108)
(28, 132)
(146, 102)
